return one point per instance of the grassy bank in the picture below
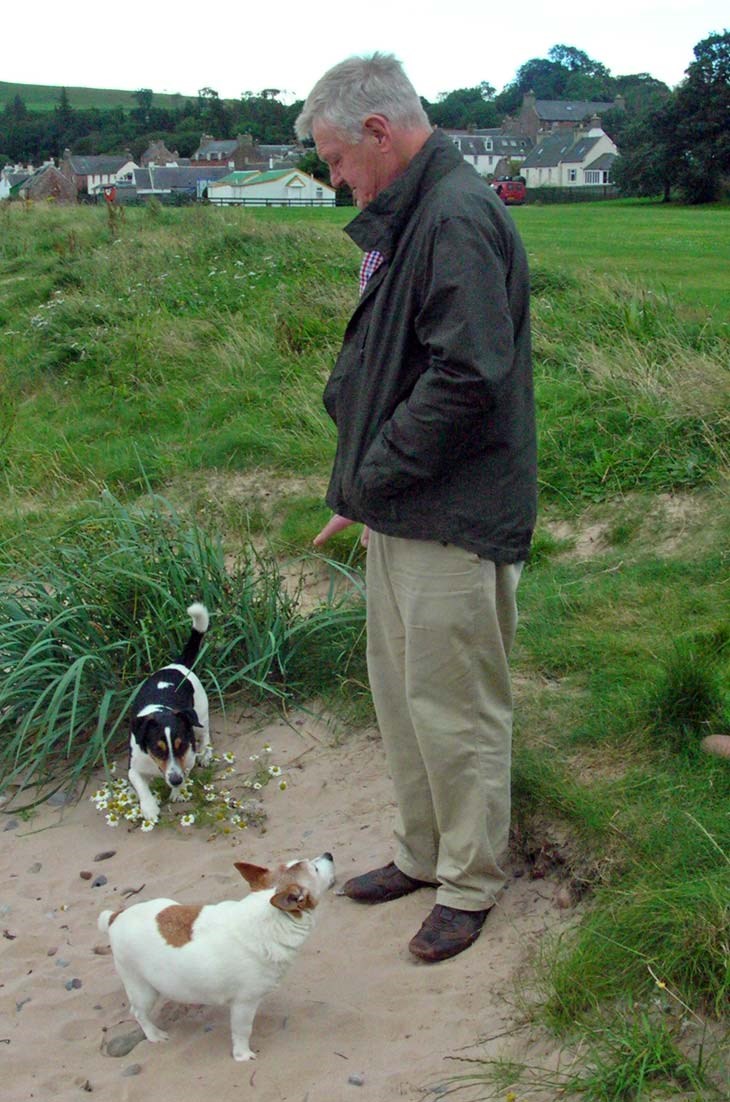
(160, 415)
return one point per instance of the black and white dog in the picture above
(170, 706)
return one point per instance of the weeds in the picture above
(87, 615)
(636, 1056)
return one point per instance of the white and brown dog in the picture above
(221, 954)
(170, 706)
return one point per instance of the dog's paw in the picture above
(176, 794)
(150, 810)
(153, 1034)
(205, 756)
(243, 1052)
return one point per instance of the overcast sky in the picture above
(248, 45)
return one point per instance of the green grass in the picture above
(160, 414)
(682, 251)
(88, 613)
(45, 97)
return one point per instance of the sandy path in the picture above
(355, 1018)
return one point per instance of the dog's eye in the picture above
(178, 745)
(162, 746)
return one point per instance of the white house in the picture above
(93, 174)
(571, 159)
(276, 188)
(491, 152)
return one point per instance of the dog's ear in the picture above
(144, 729)
(293, 899)
(190, 716)
(257, 877)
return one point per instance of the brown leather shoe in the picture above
(382, 885)
(446, 932)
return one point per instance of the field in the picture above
(45, 97)
(161, 426)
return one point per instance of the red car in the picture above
(511, 190)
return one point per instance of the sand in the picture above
(356, 1017)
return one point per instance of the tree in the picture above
(650, 162)
(465, 107)
(214, 114)
(684, 143)
(15, 110)
(703, 113)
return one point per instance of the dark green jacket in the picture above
(432, 391)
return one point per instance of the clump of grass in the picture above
(688, 700)
(88, 615)
(634, 1056)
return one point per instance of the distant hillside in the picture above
(44, 97)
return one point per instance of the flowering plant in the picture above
(204, 797)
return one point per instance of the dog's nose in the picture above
(328, 857)
(175, 779)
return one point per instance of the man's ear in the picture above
(378, 127)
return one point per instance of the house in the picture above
(47, 182)
(242, 154)
(236, 153)
(170, 183)
(539, 116)
(571, 158)
(11, 177)
(275, 188)
(157, 153)
(491, 152)
(91, 175)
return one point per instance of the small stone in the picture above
(87, 1086)
(124, 1043)
(356, 1080)
(12, 824)
(102, 950)
(132, 1069)
(73, 985)
(21, 1003)
(85, 874)
(563, 899)
(715, 744)
(99, 881)
(105, 855)
(58, 799)
(61, 963)
(36, 867)
(52, 951)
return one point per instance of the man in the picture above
(436, 456)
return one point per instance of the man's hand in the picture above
(336, 524)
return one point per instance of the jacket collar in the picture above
(379, 225)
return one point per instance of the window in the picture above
(572, 175)
(593, 176)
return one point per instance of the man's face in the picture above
(360, 165)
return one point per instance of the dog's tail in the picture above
(199, 615)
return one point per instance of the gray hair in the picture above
(358, 87)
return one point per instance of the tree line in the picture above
(669, 138)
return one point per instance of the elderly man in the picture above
(433, 401)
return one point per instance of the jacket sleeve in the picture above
(465, 328)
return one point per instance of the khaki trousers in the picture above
(441, 623)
